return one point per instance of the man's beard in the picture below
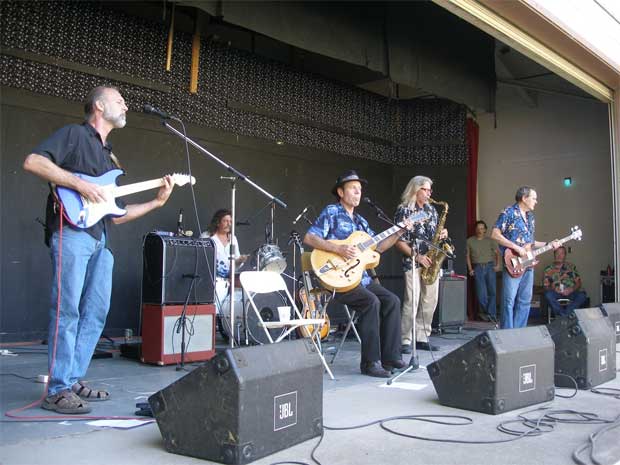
(118, 121)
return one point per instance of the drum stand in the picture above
(237, 176)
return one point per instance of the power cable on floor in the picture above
(591, 445)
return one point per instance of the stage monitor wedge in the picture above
(585, 348)
(497, 371)
(612, 311)
(244, 403)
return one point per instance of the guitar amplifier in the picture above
(452, 303)
(162, 333)
(177, 269)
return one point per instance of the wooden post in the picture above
(193, 80)
(170, 37)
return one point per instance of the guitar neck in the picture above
(549, 246)
(379, 237)
(121, 191)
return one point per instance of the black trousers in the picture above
(379, 321)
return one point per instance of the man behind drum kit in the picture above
(219, 232)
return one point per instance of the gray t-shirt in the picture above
(481, 250)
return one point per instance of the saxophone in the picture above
(429, 275)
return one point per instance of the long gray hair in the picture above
(413, 186)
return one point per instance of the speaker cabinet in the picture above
(169, 265)
(244, 404)
(497, 371)
(612, 311)
(162, 336)
(585, 348)
(452, 303)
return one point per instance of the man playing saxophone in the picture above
(420, 305)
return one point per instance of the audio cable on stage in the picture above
(525, 425)
(13, 413)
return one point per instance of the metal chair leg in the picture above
(350, 325)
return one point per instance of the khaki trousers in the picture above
(424, 302)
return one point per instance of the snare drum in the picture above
(269, 258)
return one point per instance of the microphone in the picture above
(301, 214)
(242, 223)
(151, 110)
(377, 208)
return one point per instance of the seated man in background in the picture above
(562, 281)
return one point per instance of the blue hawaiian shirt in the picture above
(335, 223)
(512, 226)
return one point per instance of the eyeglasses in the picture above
(430, 191)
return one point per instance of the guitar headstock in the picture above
(182, 179)
(576, 233)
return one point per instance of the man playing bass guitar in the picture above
(379, 309)
(514, 229)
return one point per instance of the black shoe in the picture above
(406, 349)
(374, 369)
(426, 346)
(393, 365)
(484, 317)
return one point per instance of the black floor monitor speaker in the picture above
(244, 403)
(612, 311)
(497, 371)
(585, 348)
(169, 265)
(452, 303)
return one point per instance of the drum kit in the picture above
(246, 328)
(267, 257)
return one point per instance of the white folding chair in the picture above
(265, 282)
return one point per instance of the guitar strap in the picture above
(115, 160)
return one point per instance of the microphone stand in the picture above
(414, 362)
(291, 241)
(237, 176)
(183, 318)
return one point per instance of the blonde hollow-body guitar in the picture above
(336, 273)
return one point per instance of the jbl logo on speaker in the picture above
(284, 410)
(527, 378)
(617, 327)
(602, 360)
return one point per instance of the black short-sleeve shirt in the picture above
(77, 148)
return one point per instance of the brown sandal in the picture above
(66, 402)
(81, 389)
